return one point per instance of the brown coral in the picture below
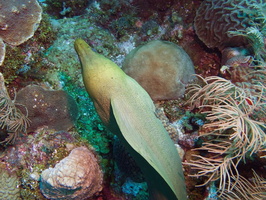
(161, 68)
(55, 109)
(77, 176)
(18, 21)
(216, 18)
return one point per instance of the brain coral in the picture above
(9, 185)
(18, 21)
(215, 18)
(78, 176)
(161, 68)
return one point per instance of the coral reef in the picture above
(113, 28)
(116, 16)
(147, 141)
(60, 55)
(135, 189)
(66, 8)
(148, 8)
(35, 152)
(256, 38)
(9, 185)
(161, 68)
(78, 176)
(54, 109)
(215, 19)
(13, 14)
(26, 62)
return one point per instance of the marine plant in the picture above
(247, 189)
(232, 132)
(12, 120)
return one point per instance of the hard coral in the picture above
(216, 18)
(77, 176)
(9, 182)
(161, 68)
(18, 21)
(55, 109)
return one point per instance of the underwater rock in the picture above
(161, 68)
(78, 176)
(9, 183)
(54, 109)
(13, 15)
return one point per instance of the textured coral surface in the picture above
(54, 109)
(78, 176)
(18, 21)
(161, 68)
(9, 185)
(13, 15)
(215, 18)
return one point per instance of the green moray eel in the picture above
(128, 111)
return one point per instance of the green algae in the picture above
(88, 125)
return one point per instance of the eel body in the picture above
(128, 111)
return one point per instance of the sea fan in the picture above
(11, 118)
(246, 189)
(233, 131)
